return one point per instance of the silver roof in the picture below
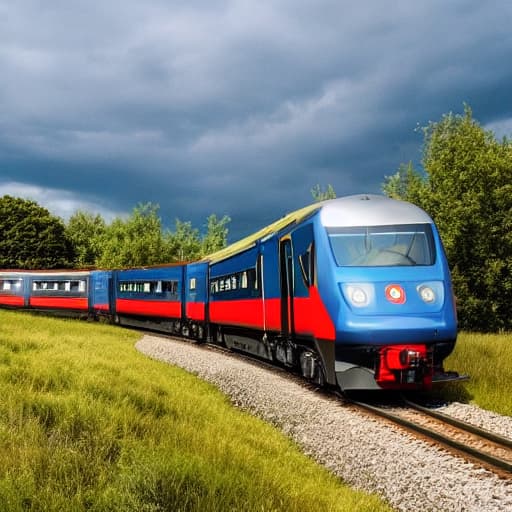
(370, 210)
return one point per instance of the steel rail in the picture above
(479, 455)
(463, 425)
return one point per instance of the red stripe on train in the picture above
(80, 303)
(11, 300)
(247, 313)
(195, 311)
(312, 317)
(167, 309)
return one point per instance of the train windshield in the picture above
(382, 246)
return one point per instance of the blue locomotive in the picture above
(352, 292)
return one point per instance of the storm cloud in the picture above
(234, 107)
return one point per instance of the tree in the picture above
(467, 190)
(321, 195)
(30, 237)
(216, 236)
(86, 231)
(406, 184)
(138, 241)
(185, 242)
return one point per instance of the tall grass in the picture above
(487, 359)
(88, 423)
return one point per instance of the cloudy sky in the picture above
(235, 107)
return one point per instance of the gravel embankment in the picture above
(410, 474)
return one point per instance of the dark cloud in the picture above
(234, 107)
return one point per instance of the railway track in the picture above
(480, 446)
(487, 449)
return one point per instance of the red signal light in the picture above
(395, 294)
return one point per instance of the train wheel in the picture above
(311, 367)
(219, 336)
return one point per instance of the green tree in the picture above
(322, 195)
(185, 242)
(31, 237)
(216, 236)
(467, 190)
(86, 231)
(137, 241)
(406, 184)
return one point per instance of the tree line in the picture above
(32, 238)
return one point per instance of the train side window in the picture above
(252, 278)
(244, 282)
(311, 256)
(258, 272)
(170, 286)
(306, 264)
(192, 283)
(10, 284)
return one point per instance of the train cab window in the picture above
(383, 246)
(192, 283)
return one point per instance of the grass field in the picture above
(487, 359)
(88, 423)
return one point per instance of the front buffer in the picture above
(409, 366)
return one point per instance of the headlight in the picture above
(359, 295)
(427, 294)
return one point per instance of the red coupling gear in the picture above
(404, 366)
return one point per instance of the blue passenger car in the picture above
(13, 289)
(150, 297)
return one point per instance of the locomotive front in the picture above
(390, 294)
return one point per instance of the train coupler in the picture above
(404, 366)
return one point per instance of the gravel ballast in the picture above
(364, 452)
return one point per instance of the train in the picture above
(353, 293)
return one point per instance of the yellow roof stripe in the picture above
(249, 241)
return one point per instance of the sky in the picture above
(235, 108)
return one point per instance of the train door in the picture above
(286, 281)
